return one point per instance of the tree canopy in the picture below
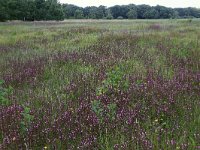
(29, 10)
(131, 11)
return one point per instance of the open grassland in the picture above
(107, 85)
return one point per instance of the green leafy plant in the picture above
(4, 92)
(112, 110)
(98, 109)
(115, 80)
(27, 118)
(139, 82)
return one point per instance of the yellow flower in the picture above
(45, 147)
(156, 120)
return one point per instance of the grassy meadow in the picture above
(100, 84)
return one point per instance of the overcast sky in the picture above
(167, 3)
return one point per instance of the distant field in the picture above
(100, 84)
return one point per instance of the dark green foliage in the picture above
(54, 10)
(151, 14)
(30, 10)
(119, 11)
(95, 12)
(108, 14)
(40, 10)
(132, 14)
(188, 12)
(142, 11)
(3, 10)
(164, 12)
(69, 10)
(130, 11)
(78, 14)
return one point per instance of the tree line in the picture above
(30, 10)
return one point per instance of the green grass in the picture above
(81, 54)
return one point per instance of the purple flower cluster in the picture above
(152, 112)
(155, 100)
(24, 72)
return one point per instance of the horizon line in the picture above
(127, 4)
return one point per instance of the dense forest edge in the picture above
(31, 10)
